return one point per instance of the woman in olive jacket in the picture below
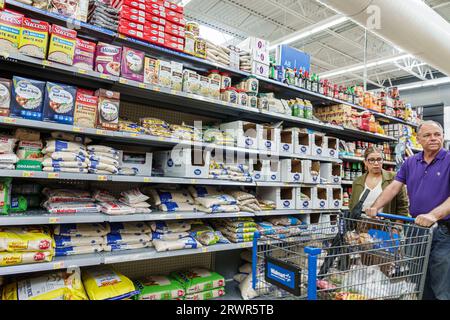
(376, 180)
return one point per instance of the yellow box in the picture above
(34, 38)
(62, 45)
(10, 26)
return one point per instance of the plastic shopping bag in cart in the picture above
(384, 239)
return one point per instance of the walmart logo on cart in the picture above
(281, 275)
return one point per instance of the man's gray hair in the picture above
(430, 122)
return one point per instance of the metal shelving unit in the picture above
(360, 159)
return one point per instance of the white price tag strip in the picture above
(8, 120)
(54, 220)
(27, 174)
(58, 265)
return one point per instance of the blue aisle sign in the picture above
(292, 58)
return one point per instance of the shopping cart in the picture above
(375, 260)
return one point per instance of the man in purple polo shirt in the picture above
(427, 177)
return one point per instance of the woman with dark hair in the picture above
(376, 180)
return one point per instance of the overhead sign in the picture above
(292, 58)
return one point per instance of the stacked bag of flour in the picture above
(201, 284)
(206, 235)
(159, 287)
(282, 227)
(110, 205)
(103, 160)
(246, 61)
(69, 201)
(137, 200)
(237, 230)
(217, 54)
(211, 201)
(171, 200)
(173, 235)
(247, 202)
(26, 244)
(234, 172)
(75, 239)
(128, 236)
(8, 158)
(65, 156)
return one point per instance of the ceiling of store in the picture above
(338, 47)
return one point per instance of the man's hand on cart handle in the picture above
(427, 220)
(372, 212)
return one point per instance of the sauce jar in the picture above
(193, 27)
(215, 74)
(230, 95)
(252, 100)
(200, 47)
(189, 43)
(225, 80)
(243, 98)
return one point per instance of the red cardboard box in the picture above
(175, 29)
(131, 32)
(154, 39)
(146, 27)
(174, 46)
(144, 7)
(168, 5)
(139, 16)
(170, 38)
(175, 17)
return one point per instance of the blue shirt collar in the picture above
(441, 155)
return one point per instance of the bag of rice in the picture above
(82, 230)
(207, 295)
(164, 196)
(20, 239)
(158, 288)
(185, 243)
(169, 236)
(116, 208)
(16, 258)
(64, 146)
(126, 246)
(102, 149)
(134, 196)
(176, 207)
(64, 241)
(67, 195)
(53, 286)
(199, 280)
(71, 251)
(170, 226)
(103, 283)
(130, 227)
(103, 196)
(202, 191)
(115, 238)
(210, 201)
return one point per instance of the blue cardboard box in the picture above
(59, 104)
(28, 98)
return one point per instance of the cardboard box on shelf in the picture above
(332, 149)
(283, 197)
(10, 24)
(268, 138)
(108, 109)
(261, 69)
(274, 171)
(286, 142)
(139, 161)
(291, 170)
(335, 195)
(303, 142)
(244, 133)
(331, 173)
(86, 108)
(184, 163)
(311, 171)
(319, 145)
(320, 198)
(303, 198)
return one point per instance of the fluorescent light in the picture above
(423, 84)
(184, 3)
(362, 66)
(307, 33)
(215, 36)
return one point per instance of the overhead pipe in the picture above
(408, 24)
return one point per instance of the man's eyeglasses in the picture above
(377, 160)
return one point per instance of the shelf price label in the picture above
(8, 120)
(82, 71)
(147, 180)
(46, 63)
(53, 175)
(54, 220)
(101, 132)
(2, 4)
(204, 250)
(27, 174)
(77, 129)
(123, 81)
(4, 54)
(194, 181)
(58, 265)
(178, 216)
(157, 89)
(142, 86)
(104, 76)
(102, 178)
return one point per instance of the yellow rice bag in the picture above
(104, 283)
(53, 286)
(23, 239)
(15, 258)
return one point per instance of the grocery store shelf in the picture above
(293, 212)
(84, 260)
(360, 134)
(36, 217)
(291, 184)
(348, 183)
(360, 159)
(232, 292)
(151, 253)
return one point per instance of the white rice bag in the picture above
(64, 164)
(7, 166)
(115, 208)
(66, 156)
(102, 149)
(130, 227)
(116, 238)
(170, 226)
(139, 205)
(103, 196)
(218, 208)
(64, 146)
(82, 230)
(67, 170)
(211, 201)
(104, 155)
(185, 243)
(7, 144)
(103, 172)
(103, 166)
(67, 195)
(169, 236)
(176, 207)
(134, 196)
(71, 251)
(127, 246)
(8, 158)
(103, 160)
(163, 196)
(71, 207)
(202, 191)
(63, 241)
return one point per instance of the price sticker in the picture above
(122, 80)
(101, 132)
(27, 174)
(82, 71)
(173, 91)
(8, 120)
(134, 135)
(142, 86)
(204, 250)
(104, 76)
(54, 220)
(53, 175)
(58, 265)
(2, 4)
(244, 245)
(76, 129)
(157, 89)
(121, 36)
(161, 139)
(194, 181)
(102, 178)
(46, 63)
(147, 180)
(178, 216)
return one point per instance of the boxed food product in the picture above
(131, 32)
(153, 39)
(174, 46)
(34, 38)
(62, 45)
(177, 80)
(165, 73)
(10, 25)
(191, 82)
(133, 14)
(151, 70)
(77, 9)
(5, 96)
(28, 98)
(59, 103)
(85, 114)
(108, 109)
(108, 58)
(199, 280)
(175, 29)
(132, 65)
(158, 288)
(175, 17)
(84, 54)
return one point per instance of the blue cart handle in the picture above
(396, 217)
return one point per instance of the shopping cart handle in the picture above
(396, 217)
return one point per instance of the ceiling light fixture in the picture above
(362, 66)
(307, 33)
(429, 83)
